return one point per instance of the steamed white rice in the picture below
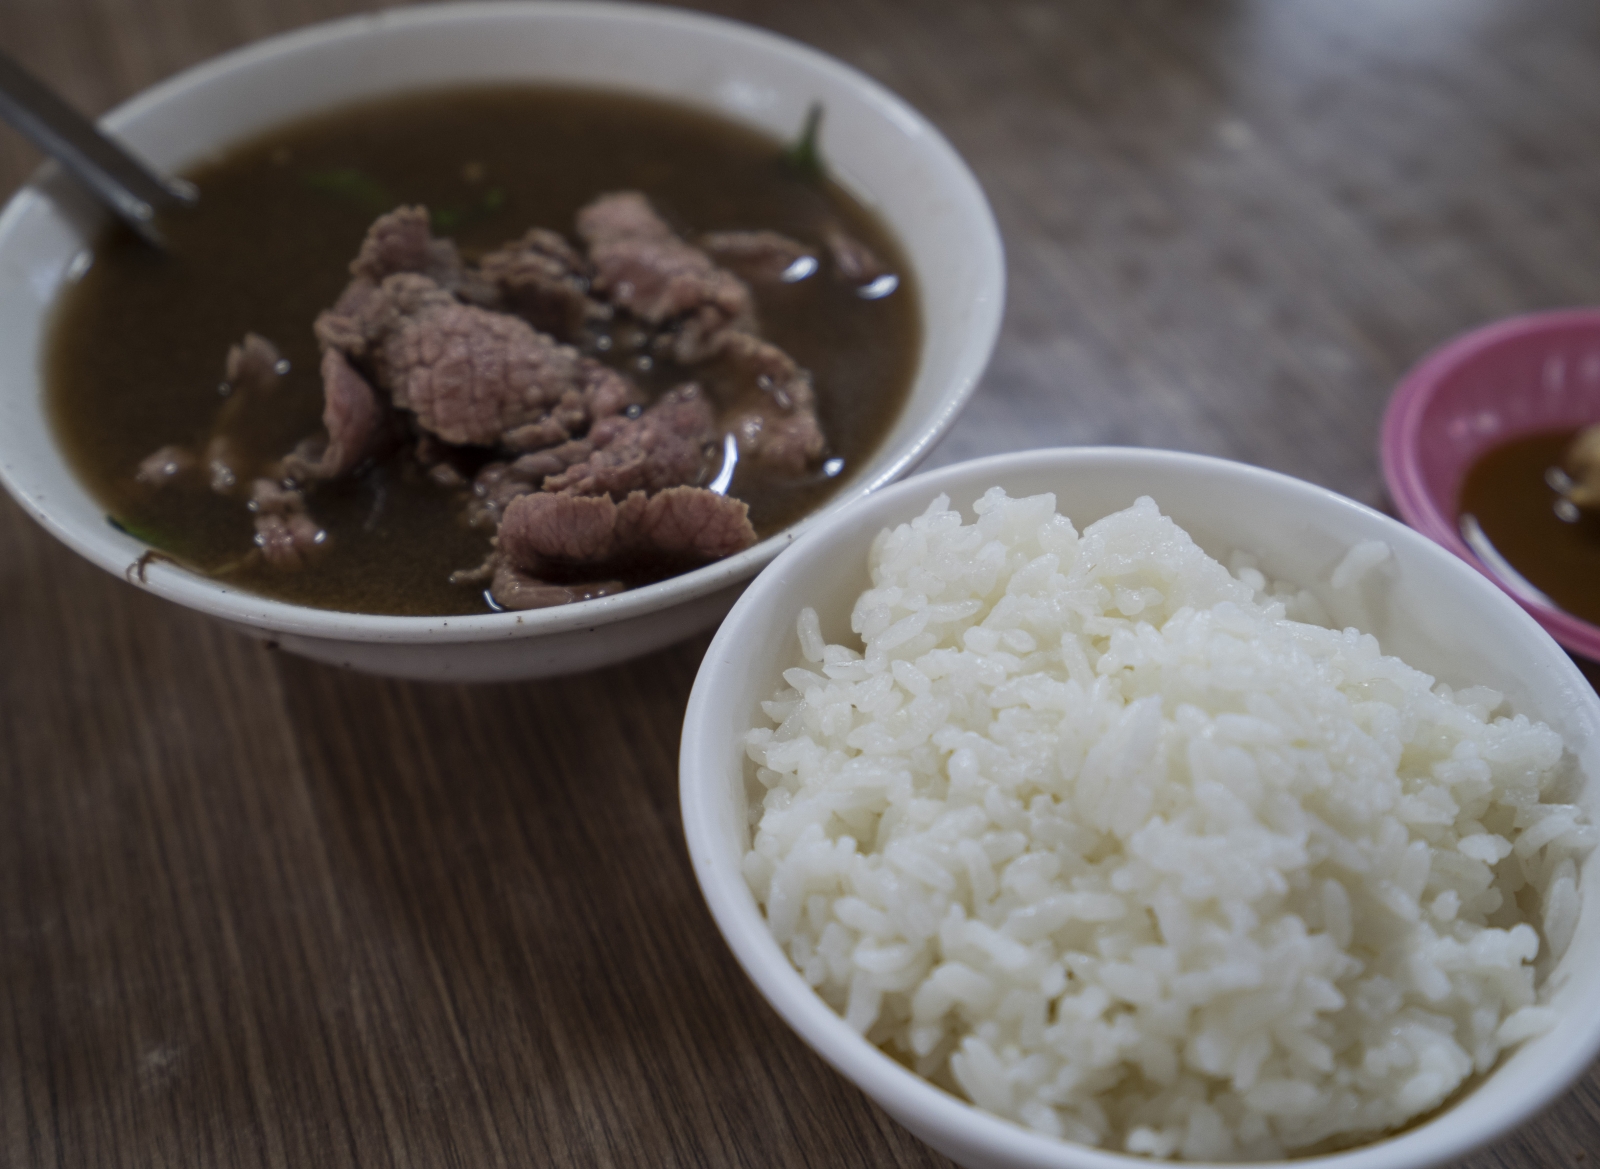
(1091, 831)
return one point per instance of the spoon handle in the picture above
(119, 180)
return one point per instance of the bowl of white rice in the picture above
(1089, 806)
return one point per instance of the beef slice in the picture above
(470, 375)
(545, 281)
(763, 257)
(353, 415)
(402, 241)
(254, 365)
(773, 411)
(642, 265)
(663, 447)
(547, 532)
(285, 532)
(512, 588)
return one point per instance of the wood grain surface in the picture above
(256, 912)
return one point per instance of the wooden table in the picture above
(254, 911)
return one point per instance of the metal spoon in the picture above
(127, 186)
(1499, 567)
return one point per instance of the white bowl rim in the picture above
(253, 610)
(743, 926)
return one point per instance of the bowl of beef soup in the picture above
(379, 486)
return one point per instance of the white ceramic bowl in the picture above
(880, 149)
(1428, 607)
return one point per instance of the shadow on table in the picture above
(521, 932)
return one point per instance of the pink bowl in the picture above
(1519, 376)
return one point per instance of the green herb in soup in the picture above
(497, 348)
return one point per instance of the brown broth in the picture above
(1507, 492)
(137, 345)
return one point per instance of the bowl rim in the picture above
(742, 923)
(1400, 444)
(249, 609)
